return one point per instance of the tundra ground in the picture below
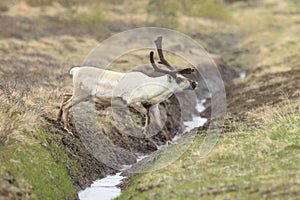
(256, 157)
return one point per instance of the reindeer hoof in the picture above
(69, 132)
(59, 122)
(144, 131)
(171, 142)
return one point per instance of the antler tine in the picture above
(158, 69)
(153, 62)
(158, 43)
(162, 60)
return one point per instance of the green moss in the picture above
(214, 9)
(41, 169)
(92, 19)
(166, 13)
(66, 3)
(286, 131)
(39, 2)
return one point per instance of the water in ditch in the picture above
(106, 188)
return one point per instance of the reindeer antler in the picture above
(172, 73)
(162, 60)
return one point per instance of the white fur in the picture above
(133, 88)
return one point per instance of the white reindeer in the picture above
(135, 89)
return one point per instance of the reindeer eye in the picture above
(178, 80)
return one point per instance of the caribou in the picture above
(135, 89)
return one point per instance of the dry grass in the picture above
(268, 114)
(240, 164)
(15, 116)
(34, 89)
(267, 24)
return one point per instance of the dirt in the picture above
(271, 89)
(260, 90)
(90, 167)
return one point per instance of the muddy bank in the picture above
(89, 167)
(132, 144)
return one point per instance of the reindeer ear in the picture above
(186, 71)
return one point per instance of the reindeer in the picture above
(99, 84)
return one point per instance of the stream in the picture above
(106, 188)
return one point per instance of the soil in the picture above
(273, 89)
(91, 168)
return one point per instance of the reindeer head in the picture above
(175, 77)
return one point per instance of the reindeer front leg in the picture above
(144, 110)
(156, 114)
(68, 104)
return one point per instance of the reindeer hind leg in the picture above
(68, 105)
(158, 120)
(65, 98)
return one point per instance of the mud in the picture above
(90, 167)
(261, 90)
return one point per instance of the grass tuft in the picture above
(215, 9)
(92, 18)
(166, 12)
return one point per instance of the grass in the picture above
(258, 156)
(92, 18)
(66, 3)
(90, 14)
(267, 38)
(166, 13)
(33, 164)
(12, 112)
(255, 160)
(34, 171)
(249, 163)
(214, 9)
